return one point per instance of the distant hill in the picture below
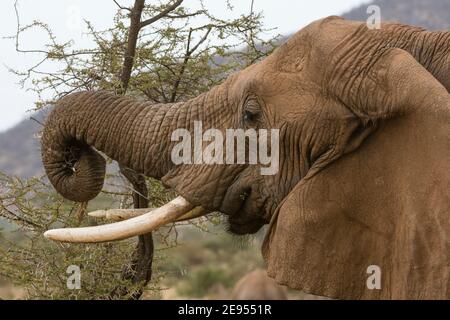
(20, 150)
(19, 147)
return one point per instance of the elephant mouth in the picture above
(238, 192)
(238, 226)
(244, 208)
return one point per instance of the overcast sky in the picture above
(287, 16)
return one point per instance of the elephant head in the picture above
(363, 176)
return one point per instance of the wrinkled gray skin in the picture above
(328, 89)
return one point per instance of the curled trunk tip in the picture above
(74, 168)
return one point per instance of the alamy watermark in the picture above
(73, 18)
(74, 278)
(238, 146)
(374, 280)
(374, 20)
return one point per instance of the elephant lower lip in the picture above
(247, 227)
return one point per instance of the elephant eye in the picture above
(249, 116)
(251, 111)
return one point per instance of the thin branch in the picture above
(203, 39)
(187, 15)
(162, 14)
(18, 31)
(121, 7)
(188, 55)
(20, 219)
(130, 52)
(37, 121)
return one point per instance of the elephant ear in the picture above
(374, 224)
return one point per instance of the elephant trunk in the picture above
(135, 133)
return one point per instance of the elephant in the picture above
(256, 285)
(363, 117)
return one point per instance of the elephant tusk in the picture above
(119, 214)
(125, 214)
(194, 213)
(145, 223)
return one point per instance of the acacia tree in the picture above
(161, 52)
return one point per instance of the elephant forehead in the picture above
(311, 48)
(263, 80)
(299, 62)
(295, 71)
